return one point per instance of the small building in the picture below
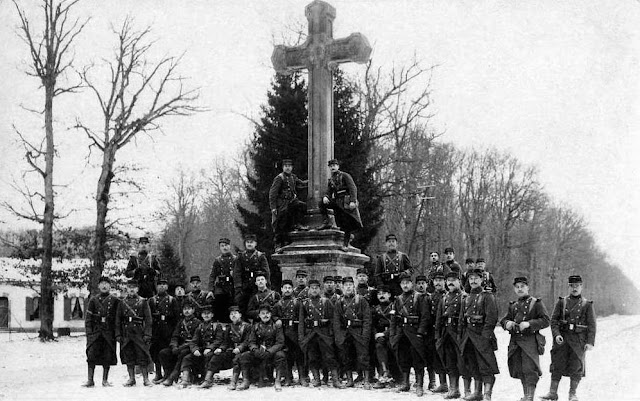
(20, 299)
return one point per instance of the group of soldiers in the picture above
(378, 325)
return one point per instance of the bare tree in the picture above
(51, 57)
(138, 95)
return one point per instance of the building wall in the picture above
(18, 300)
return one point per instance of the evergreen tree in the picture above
(171, 269)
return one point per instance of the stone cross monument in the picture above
(320, 251)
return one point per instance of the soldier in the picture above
(301, 291)
(100, 326)
(179, 347)
(198, 297)
(407, 331)
(342, 197)
(200, 347)
(390, 264)
(488, 284)
(231, 342)
(329, 284)
(315, 334)
(337, 280)
(381, 321)
(434, 363)
(248, 263)
(266, 348)
(524, 319)
(435, 267)
(165, 314)
(479, 316)
(352, 330)
(286, 312)
(448, 334)
(450, 260)
(264, 295)
(144, 268)
(363, 289)
(573, 327)
(470, 264)
(221, 281)
(287, 210)
(180, 296)
(133, 332)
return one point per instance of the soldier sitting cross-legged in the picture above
(171, 357)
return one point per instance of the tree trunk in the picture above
(102, 207)
(46, 294)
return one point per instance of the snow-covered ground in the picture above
(31, 370)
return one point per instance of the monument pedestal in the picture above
(320, 254)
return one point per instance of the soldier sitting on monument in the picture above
(287, 210)
(342, 197)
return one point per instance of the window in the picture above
(33, 308)
(74, 308)
(4, 312)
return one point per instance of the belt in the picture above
(451, 321)
(408, 320)
(289, 322)
(577, 328)
(474, 321)
(355, 323)
(316, 323)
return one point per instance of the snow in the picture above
(31, 370)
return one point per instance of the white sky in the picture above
(555, 83)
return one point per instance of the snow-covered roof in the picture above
(18, 270)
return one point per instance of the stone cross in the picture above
(320, 54)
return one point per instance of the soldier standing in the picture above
(231, 342)
(266, 344)
(470, 264)
(248, 263)
(407, 330)
(381, 322)
(100, 326)
(329, 285)
(435, 267)
(264, 295)
(301, 291)
(573, 327)
(286, 312)
(524, 319)
(198, 297)
(181, 297)
(221, 281)
(479, 316)
(390, 264)
(488, 284)
(165, 314)
(315, 334)
(144, 268)
(133, 332)
(352, 329)
(179, 347)
(434, 363)
(448, 337)
(342, 197)
(363, 288)
(450, 260)
(287, 210)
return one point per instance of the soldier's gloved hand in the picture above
(197, 352)
(510, 325)
(278, 323)
(207, 351)
(588, 347)
(325, 200)
(218, 351)
(352, 205)
(559, 340)
(236, 351)
(524, 325)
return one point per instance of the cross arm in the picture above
(354, 48)
(286, 59)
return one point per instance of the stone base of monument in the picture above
(320, 254)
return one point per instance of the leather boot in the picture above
(288, 377)
(454, 390)
(277, 384)
(159, 377)
(208, 380)
(105, 376)
(367, 380)
(131, 369)
(467, 387)
(315, 377)
(553, 391)
(432, 380)
(442, 388)
(90, 371)
(326, 224)
(303, 377)
(186, 378)
(406, 385)
(477, 393)
(531, 391)
(335, 379)
(349, 379)
(261, 374)
(171, 379)
(420, 382)
(245, 379)
(234, 379)
(145, 376)
(573, 387)
(488, 390)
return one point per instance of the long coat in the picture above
(478, 318)
(352, 316)
(221, 277)
(389, 265)
(316, 309)
(530, 310)
(287, 310)
(145, 269)
(410, 307)
(282, 194)
(134, 322)
(342, 190)
(246, 265)
(100, 323)
(448, 320)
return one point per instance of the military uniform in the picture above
(100, 326)
(352, 328)
(488, 283)
(246, 266)
(381, 322)
(221, 284)
(435, 365)
(260, 298)
(266, 348)
(179, 347)
(203, 340)
(289, 209)
(301, 292)
(479, 315)
(448, 336)
(230, 337)
(287, 310)
(525, 346)
(389, 266)
(432, 270)
(198, 297)
(165, 314)
(145, 269)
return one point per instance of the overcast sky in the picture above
(555, 83)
